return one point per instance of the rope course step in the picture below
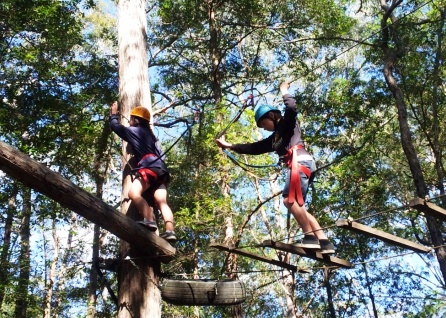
(383, 236)
(428, 208)
(203, 292)
(330, 260)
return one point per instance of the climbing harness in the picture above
(295, 187)
(144, 172)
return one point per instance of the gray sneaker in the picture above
(169, 236)
(327, 247)
(150, 225)
(309, 242)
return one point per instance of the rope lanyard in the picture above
(245, 105)
(248, 102)
(189, 126)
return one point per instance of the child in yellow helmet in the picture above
(286, 141)
(152, 171)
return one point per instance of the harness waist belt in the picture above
(144, 172)
(147, 156)
(295, 187)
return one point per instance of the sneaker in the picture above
(309, 242)
(150, 225)
(169, 236)
(327, 247)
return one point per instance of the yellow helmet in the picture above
(141, 111)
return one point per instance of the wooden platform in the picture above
(241, 252)
(428, 208)
(383, 236)
(330, 260)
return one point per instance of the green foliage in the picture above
(59, 70)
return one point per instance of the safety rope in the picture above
(147, 276)
(188, 125)
(247, 103)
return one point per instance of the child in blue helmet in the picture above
(287, 142)
(151, 173)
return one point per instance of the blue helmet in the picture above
(262, 110)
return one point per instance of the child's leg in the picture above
(315, 227)
(300, 214)
(135, 194)
(160, 196)
(306, 221)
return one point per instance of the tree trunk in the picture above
(93, 287)
(329, 293)
(435, 143)
(138, 276)
(216, 58)
(4, 257)
(21, 300)
(367, 279)
(289, 284)
(63, 268)
(134, 87)
(52, 275)
(101, 168)
(391, 55)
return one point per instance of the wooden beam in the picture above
(383, 236)
(428, 208)
(37, 176)
(331, 260)
(238, 251)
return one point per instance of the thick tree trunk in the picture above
(138, 277)
(134, 87)
(21, 300)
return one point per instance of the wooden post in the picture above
(428, 208)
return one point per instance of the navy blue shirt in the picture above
(143, 143)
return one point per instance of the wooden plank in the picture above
(37, 176)
(428, 208)
(331, 260)
(383, 236)
(238, 251)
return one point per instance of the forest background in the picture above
(368, 77)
